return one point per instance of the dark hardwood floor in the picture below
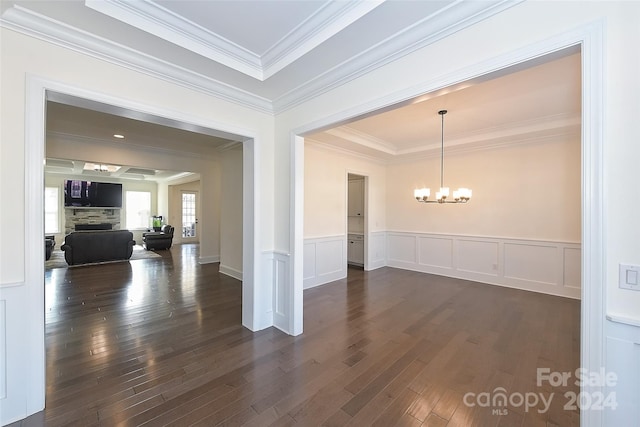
(160, 342)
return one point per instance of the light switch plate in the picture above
(629, 277)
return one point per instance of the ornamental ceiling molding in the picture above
(546, 129)
(428, 30)
(151, 17)
(432, 28)
(36, 25)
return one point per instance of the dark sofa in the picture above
(158, 239)
(84, 247)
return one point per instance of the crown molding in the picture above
(553, 125)
(154, 19)
(456, 17)
(30, 23)
(180, 178)
(328, 21)
(233, 145)
(530, 131)
(431, 29)
(361, 138)
(343, 151)
(151, 17)
(492, 140)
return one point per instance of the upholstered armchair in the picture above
(49, 244)
(158, 239)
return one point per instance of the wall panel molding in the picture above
(377, 250)
(277, 266)
(549, 267)
(622, 337)
(3, 350)
(325, 260)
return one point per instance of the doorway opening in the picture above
(41, 91)
(588, 40)
(356, 222)
(189, 217)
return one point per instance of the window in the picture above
(138, 205)
(51, 210)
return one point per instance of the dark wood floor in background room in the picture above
(160, 342)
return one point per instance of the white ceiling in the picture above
(272, 55)
(537, 101)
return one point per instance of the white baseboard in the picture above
(376, 264)
(230, 271)
(209, 259)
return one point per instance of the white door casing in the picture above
(22, 390)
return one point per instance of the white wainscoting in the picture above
(325, 260)
(535, 265)
(377, 250)
(277, 270)
(623, 359)
(3, 349)
(15, 345)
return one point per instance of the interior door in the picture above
(189, 215)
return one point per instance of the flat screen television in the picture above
(92, 194)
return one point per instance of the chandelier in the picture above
(100, 167)
(461, 195)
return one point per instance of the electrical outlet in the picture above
(629, 277)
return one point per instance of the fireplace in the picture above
(102, 226)
(91, 219)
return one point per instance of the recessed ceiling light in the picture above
(117, 135)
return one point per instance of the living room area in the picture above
(131, 188)
(111, 221)
(88, 221)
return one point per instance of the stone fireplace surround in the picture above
(91, 218)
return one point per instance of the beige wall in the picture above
(528, 191)
(231, 213)
(325, 189)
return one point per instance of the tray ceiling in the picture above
(271, 55)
